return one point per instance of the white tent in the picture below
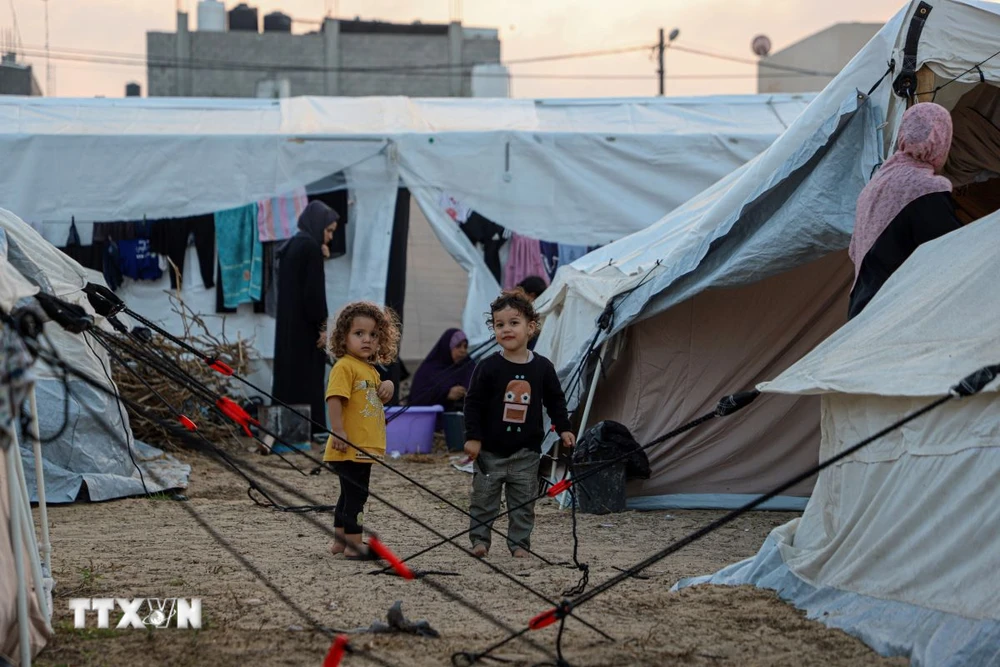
(574, 171)
(24, 617)
(735, 285)
(82, 454)
(900, 541)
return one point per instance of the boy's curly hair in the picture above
(386, 328)
(518, 300)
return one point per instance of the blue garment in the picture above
(570, 253)
(241, 255)
(137, 261)
(550, 257)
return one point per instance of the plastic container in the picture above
(454, 430)
(604, 491)
(413, 431)
(291, 429)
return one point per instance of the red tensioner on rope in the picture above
(232, 410)
(386, 554)
(220, 367)
(336, 653)
(559, 487)
(187, 423)
(547, 618)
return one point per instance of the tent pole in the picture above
(43, 511)
(28, 527)
(17, 543)
(586, 413)
(593, 390)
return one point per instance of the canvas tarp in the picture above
(83, 452)
(900, 540)
(9, 627)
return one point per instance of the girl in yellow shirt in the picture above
(365, 334)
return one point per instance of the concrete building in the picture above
(17, 78)
(247, 63)
(826, 51)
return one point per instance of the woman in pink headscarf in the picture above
(905, 205)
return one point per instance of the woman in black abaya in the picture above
(299, 357)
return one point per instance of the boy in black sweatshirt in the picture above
(503, 424)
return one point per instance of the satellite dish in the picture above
(761, 45)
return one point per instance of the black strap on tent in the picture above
(905, 84)
(889, 70)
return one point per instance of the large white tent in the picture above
(78, 421)
(733, 286)
(573, 171)
(900, 541)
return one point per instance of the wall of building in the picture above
(302, 59)
(826, 51)
(18, 79)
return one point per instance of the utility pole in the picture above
(661, 47)
(49, 86)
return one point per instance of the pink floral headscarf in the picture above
(923, 144)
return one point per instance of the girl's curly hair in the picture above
(386, 328)
(518, 300)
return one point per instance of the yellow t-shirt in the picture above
(363, 414)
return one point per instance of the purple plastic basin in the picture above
(411, 432)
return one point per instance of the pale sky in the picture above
(528, 28)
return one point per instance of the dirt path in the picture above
(155, 548)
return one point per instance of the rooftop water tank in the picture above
(277, 22)
(243, 17)
(490, 80)
(211, 16)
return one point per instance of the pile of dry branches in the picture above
(237, 355)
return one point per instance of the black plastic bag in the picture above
(608, 440)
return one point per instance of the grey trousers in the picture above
(519, 475)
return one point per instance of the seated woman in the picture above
(445, 374)
(905, 205)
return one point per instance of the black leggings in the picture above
(354, 478)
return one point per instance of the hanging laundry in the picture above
(525, 260)
(278, 217)
(111, 265)
(550, 257)
(454, 208)
(171, 238)
(271, 279)
(241, 265)
(84, 255)
(490, 235)
(570, 253)
(137, 261)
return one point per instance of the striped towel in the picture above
(278, 217)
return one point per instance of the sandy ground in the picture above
(156, 548)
